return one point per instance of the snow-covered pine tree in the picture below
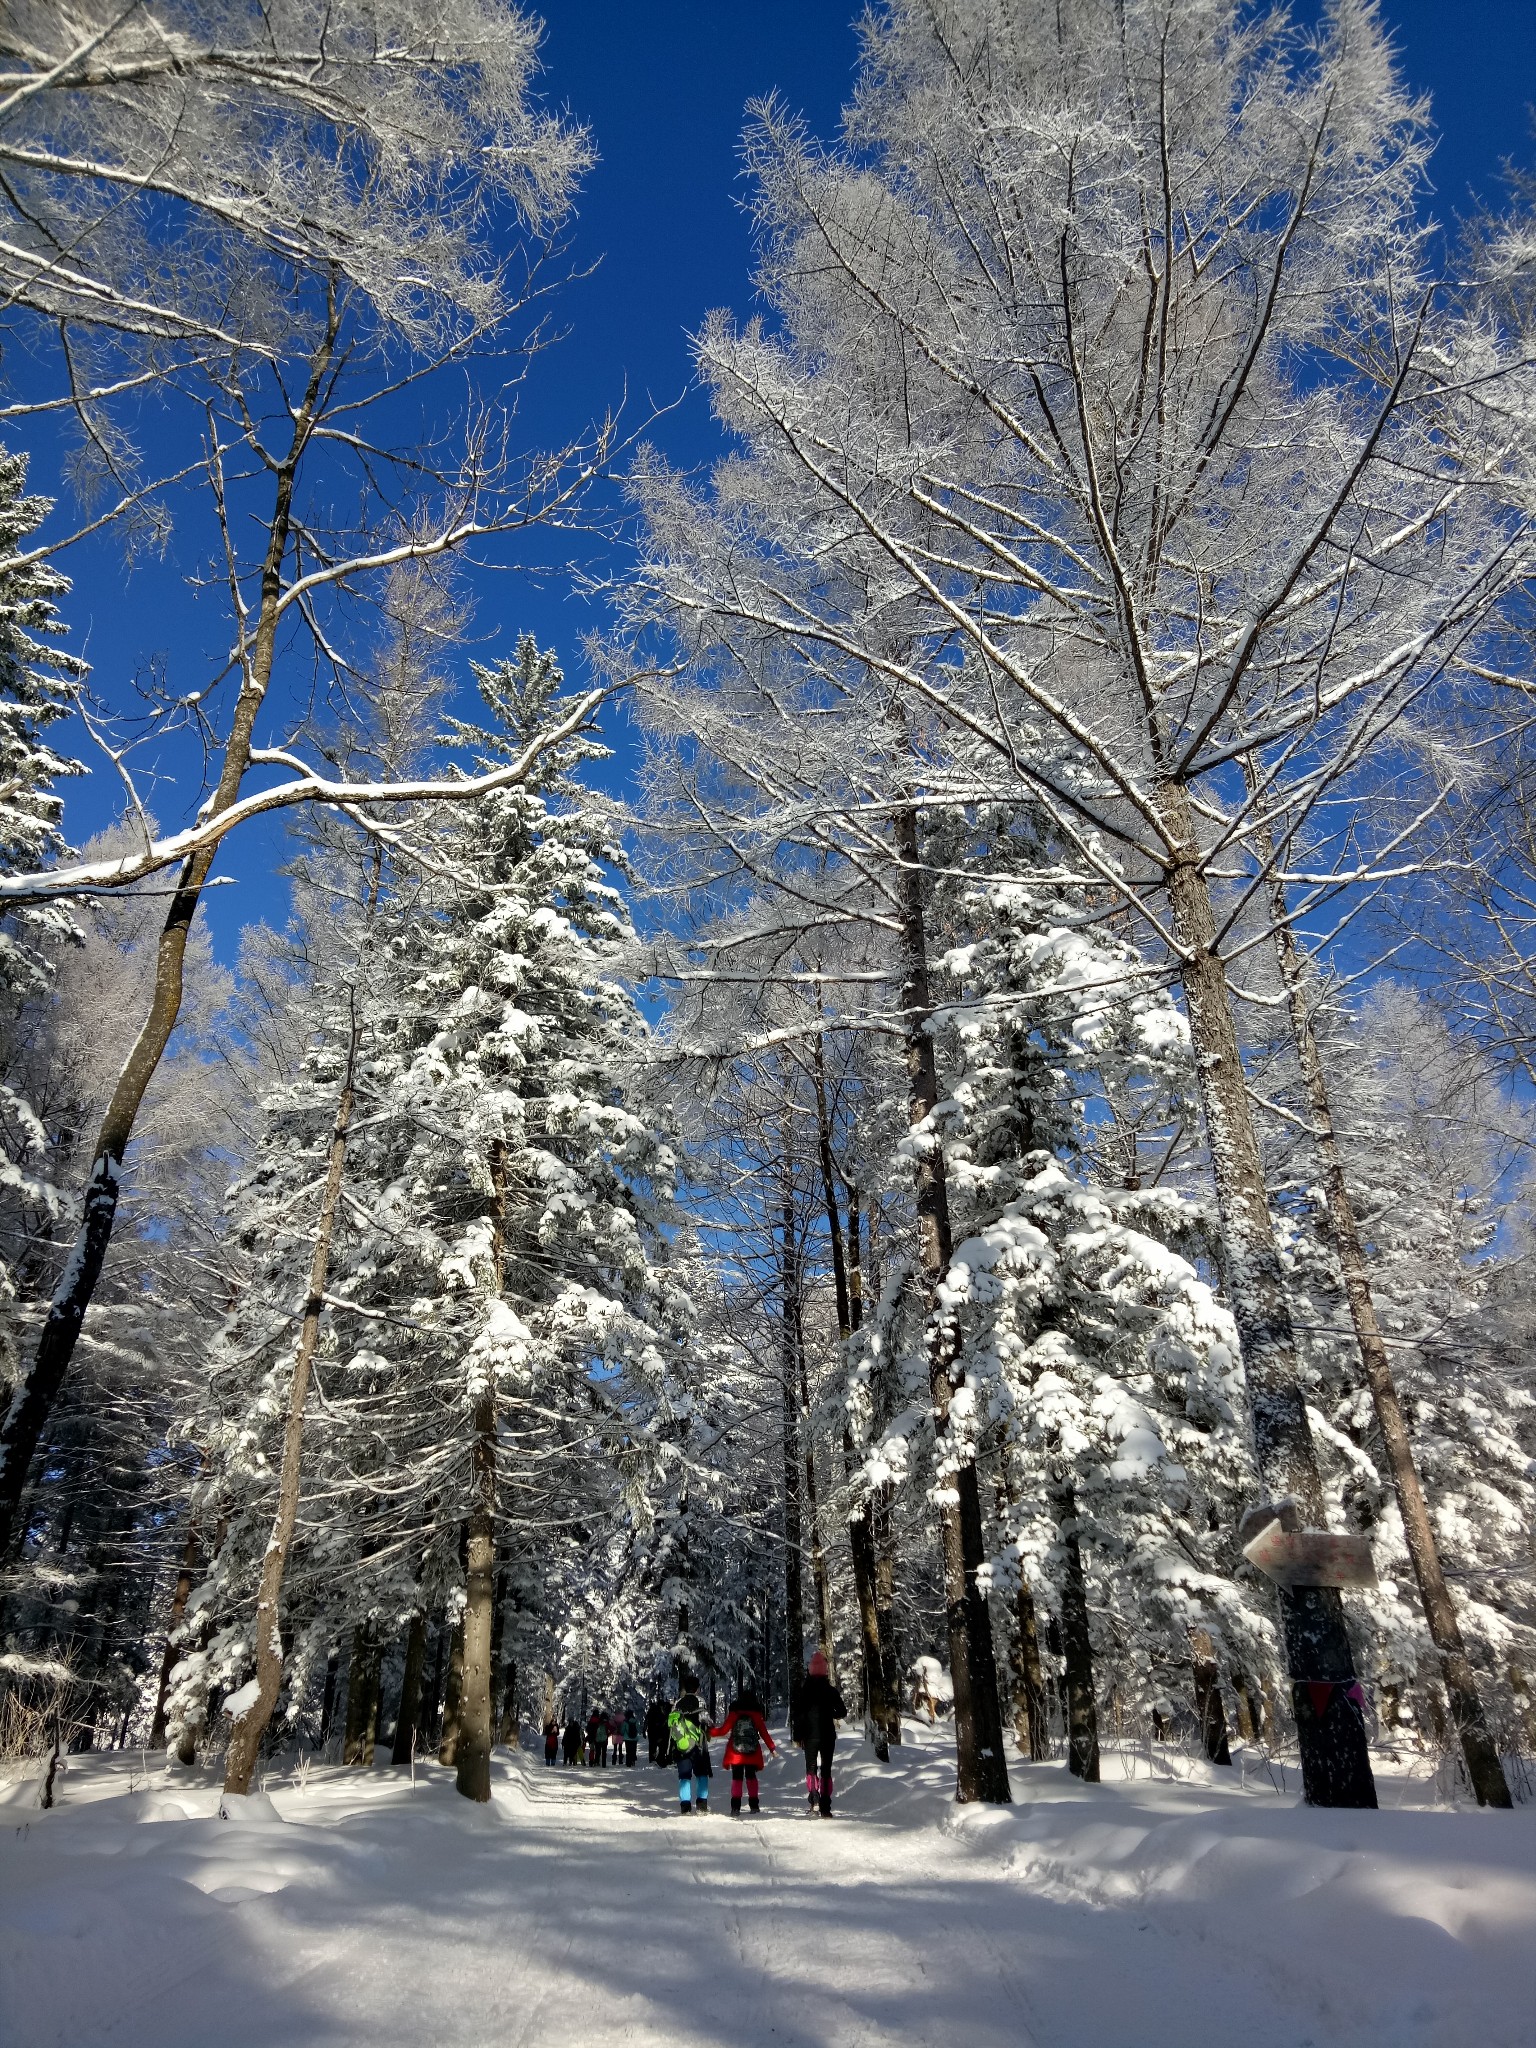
(524, 1206)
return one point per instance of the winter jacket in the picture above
(747, 1732)
(821, 1708)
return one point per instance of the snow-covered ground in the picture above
(579, 1910)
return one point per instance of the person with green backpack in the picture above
(686, 1727)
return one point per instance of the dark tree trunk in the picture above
(1208, 1702)
(448, 1745)
(168, 1659)
(982, 1765)
(1077, 1646)
(847, 1281)
(27, 1414)
(328, 1699)
(410, 1690)
(246, 1736)
(1335, 1761)
(794, 1606)
(1484, 1767)
(1032, 1719)
(363, 1697)
(429, 1720)
(1034, 1723)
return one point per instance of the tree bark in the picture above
(363, 1697)
(819, 1580)
(1208, 1702)
(410, 1690)
(982, 1765)
(1077, 1646)
(39, 1386)
(1335, 1760)
(432, 1690)
(328, 1698)
(848, 1292)
(448, 1746)
(245, 1736)
(1477, 1745)
(794, 1607)
(178, 1608)
(472, 1754)
(1032, 1720)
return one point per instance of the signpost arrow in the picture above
(1309, 1557)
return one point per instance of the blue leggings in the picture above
(690, 1782)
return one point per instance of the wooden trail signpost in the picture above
(1293, 1556)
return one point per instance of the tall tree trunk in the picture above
(432, 1689)
(1477, 1745)
(410, 1690)
(794, 1605)
(848, 1291)
(472, 1756)
(1208, 1702)
(30, 1406)
(363, 1696)
(328, 1697)
(1335, 1760)
(245, 1736)
(1032, 1720)
(982, 1765)
(819, 1580)
(178, 1609)
(1034, 1735)
(1077, 1645)
(448, 1745)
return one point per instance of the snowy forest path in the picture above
(579, 1910)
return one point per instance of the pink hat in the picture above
(819, 1665)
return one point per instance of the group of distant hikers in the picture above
(680, 1734)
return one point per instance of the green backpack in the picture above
(685, 1731)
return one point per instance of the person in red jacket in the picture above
(746, 1731)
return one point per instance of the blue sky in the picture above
(662, 84)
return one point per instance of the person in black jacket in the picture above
(656, 1732)
(821, 1708)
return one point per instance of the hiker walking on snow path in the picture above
(631, 1738)
(656, 1732)
(551, 1740)
(690, 1748)
(597, 1738)
(821, 1708)
(745, 1731)
(572, 1741)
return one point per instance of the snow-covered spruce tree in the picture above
(498, 1321)
(523, 1215)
